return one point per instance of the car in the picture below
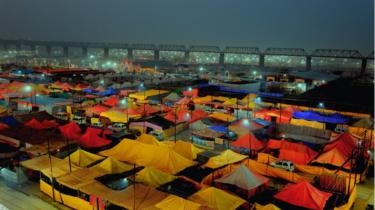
(117, 127)
(97, 124)
(80, 120)
(284, 164)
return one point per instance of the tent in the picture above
(296, 152)
(145, 94)
(82, 158)
(243, 126)
(162, 158)
(203, 100)
(173, 97)
(217, 199)
(177, 203)
(49, 123)
(97, 109)
(304, 195)
(225, 158)
(148, 139)
(266, 207)
(112, 101)
(115, 116)
(34, 124)
(312, 124)
(243, 178)
(282, 116)
(363, 123)
(71, 131)
(153, 177)
(316, 116)
(186, 149)
(183, 101)
(41, 162)
(193, 93)
(91, 138)
(248, 142)
(219, 128)
(222, 117)
(112, 166)
(146, 109)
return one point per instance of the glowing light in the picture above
(190, 89)
(28, 88)
(321, 105)
(123, 101)
(255, 72)
(258, 100)
(300, 85)
(246, 122)
(101, 82)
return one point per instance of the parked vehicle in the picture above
(284, 164)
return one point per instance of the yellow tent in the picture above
(177, 203)
(312, 124)
(187, 149)
(79, 178)
(41, 162)
(112, 166)
(153, 177)
(115, 116)
(145, 94)
(221, 98)
(217, 199)
(222, 117)
(225, 158)
(148, 139)
(82, 158)
(231, 101)
(202, 100)
(60, 169)
(162, 158)
(269, 206)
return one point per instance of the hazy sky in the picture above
(309, 24)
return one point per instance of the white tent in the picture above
(243, 178)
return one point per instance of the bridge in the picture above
(251, 56)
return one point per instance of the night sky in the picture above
(309, 24)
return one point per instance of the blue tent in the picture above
(9, 120)
(219, 128)
(109, 91)
(316, 116)
(88, 90)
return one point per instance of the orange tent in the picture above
(91, 138)
(112, 101)
(146, 109)
(248, 141)
(303, 195)
(296, 152)
(98, 109)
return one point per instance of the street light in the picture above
(321, 105)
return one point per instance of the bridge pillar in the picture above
(84, 51)
(308, 62)
(261, 60)
(187, 54)
(156, 55)
(363, 66)
(106, 52)
(66, 51)
(221, 58)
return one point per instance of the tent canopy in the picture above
(225, 158)
(316, 116)
(222, 117)
(115, 116)
(153, 177)
(217, 199)
(187, 149)
(83, 158)
(41, 162)
(159, 157)
(296, 152)
(243, 178)
(248, 141)
(148, 139)
(177, 203)
(71, 131)
(112, 166)
(91, 138)
(304, 195)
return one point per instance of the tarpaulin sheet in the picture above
(316, 116)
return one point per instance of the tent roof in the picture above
(71, 131)
(243, 178)
(248, 141)
(177, 203)
(79, 178)
(33, 123)
(98, 109)
(304, 195)
(222, 117)
(41, 162)
(148, 139)
(115, 116)
(225, 158)
(82, 158)
(344, 142)
(59, 169)
(217, 199)
(363, 123)
(296, 152)
(112, 166)
(153, 177)
(159, 157)
(187, 149)
(91, 138)
(112, 101)
(146, 109)
(269, 206)
(172, 97)
(334, 157)
(316, 116)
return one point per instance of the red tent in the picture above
(71, 131)
(33, 123)
(248, 141)
(91, 138)
(3, 126)
(198, 114)
(304, 195)
(183, 101)
(49, 123)
(180, 117)
(193, 93)
(343, 142)
(146, 109)
(98, 109)
(296, 152)
(282, 116)
(112, 101)
(131, 111)
(274, 144)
